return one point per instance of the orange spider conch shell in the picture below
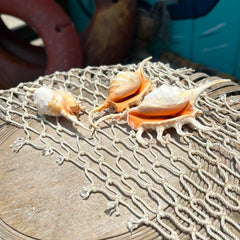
(126, 89)
(163, 108)
(57, 103)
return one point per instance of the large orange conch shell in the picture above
(57, 103)
(163, 108)
(126, 89)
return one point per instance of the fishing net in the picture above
(185, 189)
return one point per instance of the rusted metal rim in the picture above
(61, 41)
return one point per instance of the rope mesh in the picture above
(188, 188)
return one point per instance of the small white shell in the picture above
(44, 98)
(56, 103)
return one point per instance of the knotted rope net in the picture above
(186, 189)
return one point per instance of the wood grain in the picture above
(41, 200)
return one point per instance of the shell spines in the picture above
(197, 91)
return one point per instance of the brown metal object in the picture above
(13, 70)
(61, 41)
(108, 36)
(20, 48)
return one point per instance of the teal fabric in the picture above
(212, 40)
(216, 37)
(79, 11)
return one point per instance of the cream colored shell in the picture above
(48, 102)
(164, 101)
(57, 103)
(126, 83)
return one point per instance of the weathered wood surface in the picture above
(41, 200)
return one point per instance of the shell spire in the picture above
(197, 91)
(126, 89)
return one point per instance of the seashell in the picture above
(126, 89)
(163, 108)
(70, 102)
(164, 101)
(57, 103)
